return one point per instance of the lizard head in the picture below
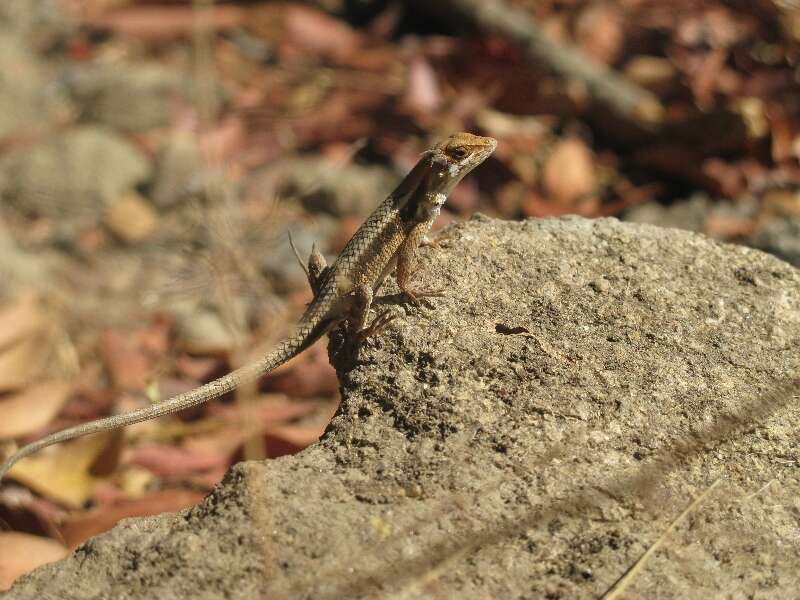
(423, 192)
(439, 171)
(452, 158)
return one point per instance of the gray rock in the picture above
(180, 171)
(24, 18)
(781, 237)
(531, 436)
(280, 265)
(78, 173)
(30, 101)
(325, 186)
(693, 213)
(130, 97)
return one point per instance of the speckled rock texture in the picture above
(529, 435)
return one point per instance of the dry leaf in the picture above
(166, 460)
(62, 472)
(21, 553)
(32, 409)
(423, 95)
(25, 344)
(126, 361)
(569, 173)
(20, 320)
(132, 218)
(166, 22)
(24, 361)
(599, 31)
(77, 530)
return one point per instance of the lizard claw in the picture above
(414, 296)
(440, 241)
(378, 325)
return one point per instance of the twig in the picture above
(628, 100)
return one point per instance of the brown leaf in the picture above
(167, 460)
(599, 31)
(21, 553)
(310, 375)
(20, 320)
(126, 361)
(290, 439)
(423, 95)
(80, 528)
(568, 174)
(62, 473)
(25, 343)
(131, 218)
(164, 23)
(31, 409)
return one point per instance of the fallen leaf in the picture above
(290, 439)
(131, 218)
(23, 362)
(62, 473)
(26, 342)
(166, 22)
(423, 95)
(167, 460)
(32, 409)
(126, 361)
(78, 529)
(568, 175)
(20, 320)
(20, 553)
(599, 31)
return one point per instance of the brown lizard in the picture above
(343, 291)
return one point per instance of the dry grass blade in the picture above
(623, 582)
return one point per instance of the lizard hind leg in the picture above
(317, 266)
(362, 301)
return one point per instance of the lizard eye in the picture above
(458, 153)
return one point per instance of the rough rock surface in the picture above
(531, 436)
(77, 173)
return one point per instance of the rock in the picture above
(326, 186)
(694, 213)
(29, 102)
(531, 436)
(132, 218)
(781, 237)
(130, 97)
(278, 262)
(180, 170)
(78, 173)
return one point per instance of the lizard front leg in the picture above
(406, 255)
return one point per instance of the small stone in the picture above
(132, 219)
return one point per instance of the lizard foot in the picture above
(414, 296)
(440, 241)
(378, 325)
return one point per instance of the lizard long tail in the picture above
(303, 338)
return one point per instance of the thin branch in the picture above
(628, 100)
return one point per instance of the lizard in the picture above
(342, 292)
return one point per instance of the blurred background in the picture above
(155, 153)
